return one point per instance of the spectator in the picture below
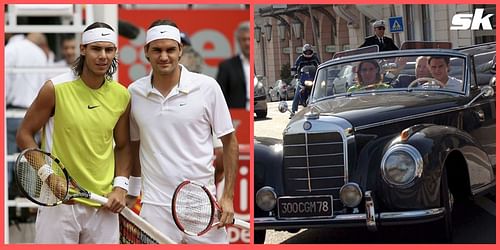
(21, 88)
(68, 46)
(233, 75)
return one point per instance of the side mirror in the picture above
(283, 107)
(487, 91)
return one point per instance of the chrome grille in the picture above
(314, 164)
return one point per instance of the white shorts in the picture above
(161, 218)
(75, 224)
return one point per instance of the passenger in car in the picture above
(421, 70)
(369, 77)
(439, 67)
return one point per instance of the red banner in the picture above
(211, 33)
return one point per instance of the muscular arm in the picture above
(123, 165)
(230, 156)
(36, 117)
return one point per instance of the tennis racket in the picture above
(42, 178)
(195, 210)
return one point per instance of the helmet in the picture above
(307, 50)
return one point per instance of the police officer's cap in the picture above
(378, 23)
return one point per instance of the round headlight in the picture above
(401, 164)
(350, 194)
(266, 198)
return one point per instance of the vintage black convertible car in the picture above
(405, 149)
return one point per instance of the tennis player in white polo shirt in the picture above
(173, 114)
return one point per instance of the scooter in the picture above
(307, 74)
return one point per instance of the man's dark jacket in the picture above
(386, 46)
(231, 79)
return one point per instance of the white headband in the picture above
(99, 35)
(163, 32)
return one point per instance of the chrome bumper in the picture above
(371, 219)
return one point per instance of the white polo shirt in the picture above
(175, 133)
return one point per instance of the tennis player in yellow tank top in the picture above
(82, 113)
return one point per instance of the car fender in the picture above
(267, 167)
(436, 144)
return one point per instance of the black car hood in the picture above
(362, 109)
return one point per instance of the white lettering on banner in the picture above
(212, 45)
(241, 210)
(244, 188)
(471, 21)
(235, 234)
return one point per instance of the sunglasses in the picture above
(381, 28)
(308, 52)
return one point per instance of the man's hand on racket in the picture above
(227, 215)
(116, 200)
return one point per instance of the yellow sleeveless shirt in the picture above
(80, 133)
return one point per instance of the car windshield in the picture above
(405, 73)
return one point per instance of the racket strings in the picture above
(193, 209)
(48, 192)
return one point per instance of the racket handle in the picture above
(99, 199)
(241, 224)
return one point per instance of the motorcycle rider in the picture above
(308, 57)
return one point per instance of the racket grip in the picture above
(99, 199)
(241, 224)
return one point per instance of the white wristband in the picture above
(44, 172)
(134, 186)
(121, 182)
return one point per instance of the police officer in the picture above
(384, 43)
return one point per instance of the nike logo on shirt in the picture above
(102, 34)
(92, 107)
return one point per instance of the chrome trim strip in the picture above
(316, 178)
(302, 156)
(322, 166)
(307, 163)
(315, 144)
(416, 116)
(385, 216)
(317, 189)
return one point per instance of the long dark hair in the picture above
(80, 61)
(374, 63)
